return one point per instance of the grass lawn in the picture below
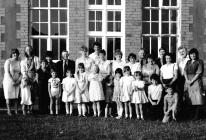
(63, 127)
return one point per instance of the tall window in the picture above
(49, 26)
(160, 25)
(106, 25)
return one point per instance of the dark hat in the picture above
(48, 53)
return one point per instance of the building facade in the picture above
(128, 25)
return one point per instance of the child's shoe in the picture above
(118, 117)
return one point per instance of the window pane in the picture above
(117, 43)
(43, 48)
(154, 3)
(98, 15)
(155, 28)
(117, 2)
(110, 16)
(173, 45)
(91, 26)
(166, 2)
(117, 16)
(43, 3)
(173, 2)
(146, 44)
(54, 3)
(35, 29)
(145, 15)
(145, 28)
(35, 15)
(63, 45)
(99, 2)
(154, 47)
(55, 50)
(54, 29)
(91, 42)
(110, 2)
(165, 43)
(54, 15)
(110, 26)
(44, 28)
(110, 48)
(145, 3)
(173, 14)
(99, 40)
(118, 26)
(165, 15)
(44, 15)
(63, 3)
(91, 15)
(155, 15)
(35, 3)
(173, 28)
(63, 29)
(63, 15)
(165, 28)
(99, 26)
(91, 2)
(36, 46)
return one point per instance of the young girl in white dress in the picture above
(134, 66)
(69, 85)
(126, 90)
(117, 92)
(138, 96)
(81, 93)
(95, 90)
(54, 88)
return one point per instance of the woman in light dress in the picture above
(134, 66)
(12, 80)
(29, 67)
(149, 69)
(85, 59)
(118, 62)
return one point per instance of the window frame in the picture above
(159, 36)
(104, 34)
(49, 37)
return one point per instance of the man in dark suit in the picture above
(61, 68)
(161, 60)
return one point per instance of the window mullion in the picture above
(49, 27)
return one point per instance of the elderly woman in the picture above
(85, 59)
(12, 80)
(149, 69)
(193, 73)
(29, 67)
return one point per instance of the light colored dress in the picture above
(81, 80)
(55, 82)
(68, 84)
(134, 67)
(94, 57)
(88, 63)
(147, 72)
(116, 65)
(95, 87)
(117, 91)
(104, 67)
(11, 91)
(194, 92)
(126, 85)
(138, 96)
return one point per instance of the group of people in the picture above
(158, 87)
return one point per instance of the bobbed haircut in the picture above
(14, 51)
(195, 51)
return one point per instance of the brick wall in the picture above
(77, 24)
(133, 26)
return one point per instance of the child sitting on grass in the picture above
(170, 105)
(54, 88)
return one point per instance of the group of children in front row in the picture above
(123, 88)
